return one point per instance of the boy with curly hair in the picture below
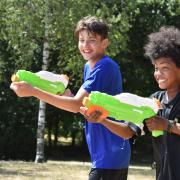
(163, 49)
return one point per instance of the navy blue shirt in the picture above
(107, 150)
(167, 147)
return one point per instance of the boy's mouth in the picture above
(86, 51)
(161, 81)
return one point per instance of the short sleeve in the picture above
(105, 77)
(137, 129)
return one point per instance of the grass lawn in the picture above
(60, 170)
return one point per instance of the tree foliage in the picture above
(21, 45)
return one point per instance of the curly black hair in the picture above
(165, 43)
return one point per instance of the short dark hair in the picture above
(93, 25)
(165, 43)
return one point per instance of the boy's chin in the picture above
(87, 59)
(162, 87)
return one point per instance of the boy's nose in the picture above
(158, 74)
(86, 43)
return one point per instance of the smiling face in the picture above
(167, 74)
(91, 46)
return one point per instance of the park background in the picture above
(39, 35)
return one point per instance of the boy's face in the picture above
(167, 74)
(91, 46)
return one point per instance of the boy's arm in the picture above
(118, 128)
(159, 123)
(72, 104)
(123, 130)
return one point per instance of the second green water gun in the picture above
(47, 81)
(125, 106)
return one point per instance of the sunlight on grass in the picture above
(58, 170)
(51, 170)
(141, 173)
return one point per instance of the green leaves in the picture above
(22, 29)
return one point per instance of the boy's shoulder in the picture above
(107, 61)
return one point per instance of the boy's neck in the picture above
(92, 62)
(172, 93)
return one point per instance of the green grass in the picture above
(60, 170)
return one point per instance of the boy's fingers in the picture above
(83, 110)
(17, 84)
(95, 115)
(13, 86)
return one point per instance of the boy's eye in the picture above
(92, 40)
(165, 68)
(81, 40)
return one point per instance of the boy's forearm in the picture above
(120, 129)
(71, 104)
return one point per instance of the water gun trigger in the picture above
(93, 108)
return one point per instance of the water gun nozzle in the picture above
(14, 78)
(85, 101)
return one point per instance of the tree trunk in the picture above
(42, 105)
(49, 137)
(56, 128)
(40, 133)
(73, 135)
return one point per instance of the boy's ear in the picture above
(105, 43)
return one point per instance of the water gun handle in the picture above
(157, 133)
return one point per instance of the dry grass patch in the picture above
(59, 170)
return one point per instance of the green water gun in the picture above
(125, 106)
(47, 81)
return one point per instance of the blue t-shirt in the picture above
(107, 150)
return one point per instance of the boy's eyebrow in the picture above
(167, 62)
(91, 36)
(164, 62)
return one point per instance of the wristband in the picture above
(171, 124)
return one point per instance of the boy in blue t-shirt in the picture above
(110, 154)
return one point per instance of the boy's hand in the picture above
(94, 117)
(22, 89)
(156, 123)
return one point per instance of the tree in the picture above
(42, 105)
(23, 31)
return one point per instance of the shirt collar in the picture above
(173, 101)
